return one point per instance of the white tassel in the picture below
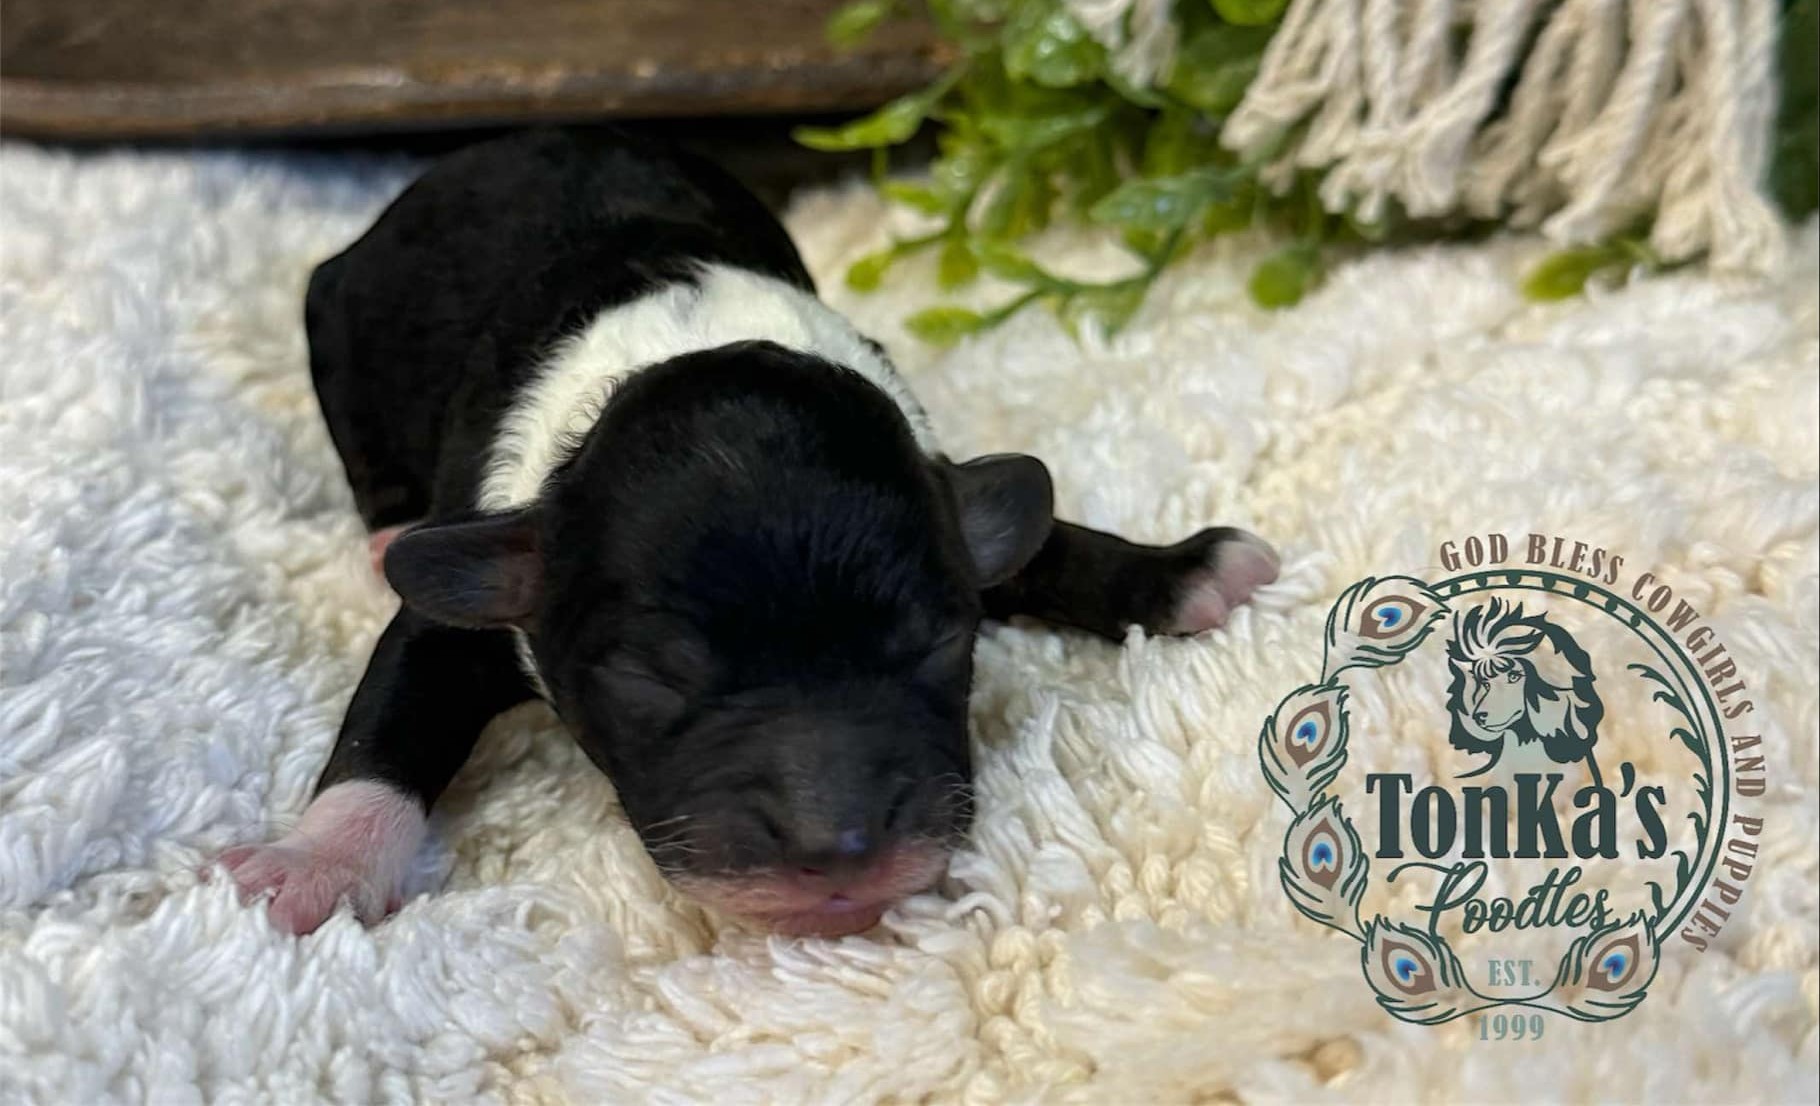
(1139, 35)
(1444, 128)
(1293, 76)
(1620, 108)
(1507, 149)
(1593, 163)
(1366, 173)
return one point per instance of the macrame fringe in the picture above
(1140, 36)
(1578, 116)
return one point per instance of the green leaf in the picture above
(957, 265)
(921, 197)
(1046, 45)
(852, 22)
(1794, 175)
(1236, 213)
(1136, 94)
(1023, 134)
(944, 326)
(1564, 274)
(1217, 90)
(1093, 170)
(1144, 243)
(1019, 205)
(1006, 263)
(963, 165)
(1169, 144)
(888, 126)
(1214, 67)
(1800, 78)
(1283, 278)
(1250, 13)
(865, 274)
(972, 11)
(1111, 307)
(1163, 203)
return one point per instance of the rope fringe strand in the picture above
(1575, 116)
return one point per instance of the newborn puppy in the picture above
(615, 453)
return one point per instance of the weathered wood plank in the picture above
(180, 68)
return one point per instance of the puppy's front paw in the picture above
(1225, 566)
(352, 845)
(304, 883)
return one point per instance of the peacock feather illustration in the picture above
(1303, 743)
(1324, 867)
(1607, 972)
(1376, 621)
(1417, 977)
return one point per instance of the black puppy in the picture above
(632, 465)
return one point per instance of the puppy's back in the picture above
(423, 328)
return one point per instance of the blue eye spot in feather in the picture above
(1406, 968)
(1322, 856)
(1389, 616)
(1307, 732)
(1613, 965)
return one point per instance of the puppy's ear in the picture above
(1007, 507)
(476, 574)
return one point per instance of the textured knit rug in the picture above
(186, 604)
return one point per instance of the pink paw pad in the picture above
(1236, 567)
(303, 884)
(353, 845)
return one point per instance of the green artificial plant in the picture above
(1034, 123)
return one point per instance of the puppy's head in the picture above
(753, 597)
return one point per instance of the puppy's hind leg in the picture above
(1104, 584)
(427, 694)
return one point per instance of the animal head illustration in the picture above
(1523, 678)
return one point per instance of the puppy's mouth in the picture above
(808, 903)
(835, 916)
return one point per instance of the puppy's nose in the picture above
(853, 843)
(834, 851)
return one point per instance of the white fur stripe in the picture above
(726, 305)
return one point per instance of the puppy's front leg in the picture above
(1104, 584)
(427, 694)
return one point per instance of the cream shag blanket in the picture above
(185, 606)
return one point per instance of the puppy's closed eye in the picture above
(636, 695)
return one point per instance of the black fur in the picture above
(421, 331)
(750, 594)
(753, 535)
